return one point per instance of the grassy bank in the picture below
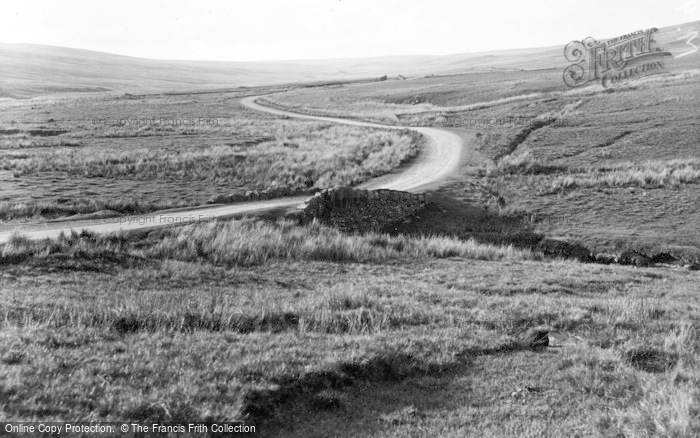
(249, 242)
(305, 347)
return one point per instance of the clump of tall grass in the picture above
(665, 410)
(633, 311)
(685, 341)
(334, 309)
(337, 155)
(523, 161)
(25, 141)
(249, 242)
(649, 174)
(53, 209)
(72, 245)
(17, 248)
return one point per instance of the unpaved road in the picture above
(440, 156)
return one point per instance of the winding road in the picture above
(440, 156)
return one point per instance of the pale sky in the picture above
(252, 30)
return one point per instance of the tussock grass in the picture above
(649, 174)
(634, 311)
(177, 339)
(669, 400)
(335, 155)
(131, 313)
(76, 246)
(51, 209)
(249, 242)
(521, 162)
(686, 342)
(139, 143)
(24, 141)
(329, 310)
(666, 410)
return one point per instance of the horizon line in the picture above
(282, 60)
(351, 58)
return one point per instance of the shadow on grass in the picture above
(463, 219)
(447, 215)
(275, 409)
(105, 262)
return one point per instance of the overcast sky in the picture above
(249, 30)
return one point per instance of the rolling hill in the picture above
(28, 70)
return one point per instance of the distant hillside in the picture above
(28, 70)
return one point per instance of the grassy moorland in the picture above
(69, 155)
(613, 169)
(37, 70)
(310, 332)
(420, 101)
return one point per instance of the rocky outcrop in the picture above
(635, 258)
(361, 210)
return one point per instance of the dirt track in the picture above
(440, 156)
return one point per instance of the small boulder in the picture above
(604, 259)
(536, 337)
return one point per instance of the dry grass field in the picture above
(132, 154)
(427, 328)
(613, 169)
(309, 332)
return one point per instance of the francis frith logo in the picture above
(615, 61)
